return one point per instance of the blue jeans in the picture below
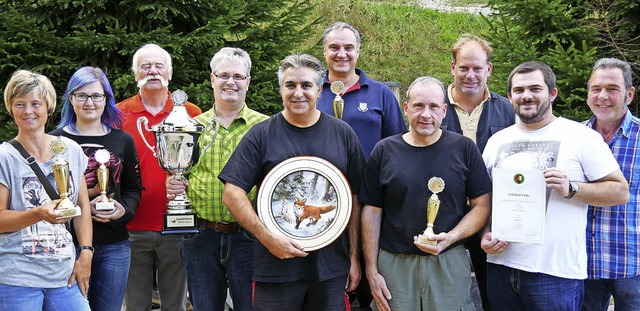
(214, 261)
(109, 271)
(626, 294)
(513, 290)
(18, 298)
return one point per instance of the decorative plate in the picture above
(306, 199)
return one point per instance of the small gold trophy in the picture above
(338, 103)
(102, 156)
(436, 185)
(66, 208)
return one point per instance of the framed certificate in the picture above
(518, 205)
(307, 199)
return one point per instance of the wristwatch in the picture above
(86, 248)
(573, 189)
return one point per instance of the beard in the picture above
(146, 79)
(530, 117)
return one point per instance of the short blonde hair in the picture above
(23, 83)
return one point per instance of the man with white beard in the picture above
(152, 70)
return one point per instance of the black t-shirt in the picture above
(275, 140)
(124, 179)
(396, 176)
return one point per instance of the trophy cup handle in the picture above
(145, 121)
(213, 121)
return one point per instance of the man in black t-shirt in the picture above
(403, 175)
(286, 276)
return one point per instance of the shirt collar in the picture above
(625, 126)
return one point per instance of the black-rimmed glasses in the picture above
(82, 97)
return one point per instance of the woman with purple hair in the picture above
(90, 117)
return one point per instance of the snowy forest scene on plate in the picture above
(304, 204)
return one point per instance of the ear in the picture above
(630, 93)
(212, 78)
(453, 68)
(553, 94)
(405, 107)
(489, 68)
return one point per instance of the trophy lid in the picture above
(178, 120)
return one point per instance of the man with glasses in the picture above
(221, 254)
(149, 248)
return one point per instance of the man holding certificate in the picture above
(541, 250)
(414, 190)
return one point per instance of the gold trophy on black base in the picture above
(102, 156)
(436, 185)
(65, 208)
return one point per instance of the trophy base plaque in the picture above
(67, 209)
(105, 206)
(180, 222)
(422, 238)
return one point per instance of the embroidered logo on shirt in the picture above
(363, 107)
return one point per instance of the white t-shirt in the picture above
(582, 154)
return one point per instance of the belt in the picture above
(220, 226)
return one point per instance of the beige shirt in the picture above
(468, 121)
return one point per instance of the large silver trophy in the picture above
(177, 151)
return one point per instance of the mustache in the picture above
(146, 79)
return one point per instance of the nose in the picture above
(298, 91)
(342, 52)
(426, 113)
(603, 95)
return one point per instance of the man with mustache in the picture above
(578, 169)
(477, 113)
(613, 234)
(149, 248)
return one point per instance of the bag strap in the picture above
(53, 194)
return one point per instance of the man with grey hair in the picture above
(286, 276)
(152, 70)
(613, 233)
(403, 175)
(221, 254)
(370, 107)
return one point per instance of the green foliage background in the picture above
(57, 37)
(400, 40)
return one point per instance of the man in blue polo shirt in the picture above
(369, 106)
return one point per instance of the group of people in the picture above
(460, 135)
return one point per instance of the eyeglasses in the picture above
(82, 97)
(226, 77)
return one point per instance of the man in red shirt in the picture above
(152, 70)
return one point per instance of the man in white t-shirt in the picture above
(579, 170)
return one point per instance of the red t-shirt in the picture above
(153, 204)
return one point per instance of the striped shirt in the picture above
(205, 189)
(613, 233)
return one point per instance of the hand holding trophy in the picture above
(102, 156)
(337, 87)
(436, 185)
(65, 208)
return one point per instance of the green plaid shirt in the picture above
(205, 189)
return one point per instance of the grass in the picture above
(400, 41)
